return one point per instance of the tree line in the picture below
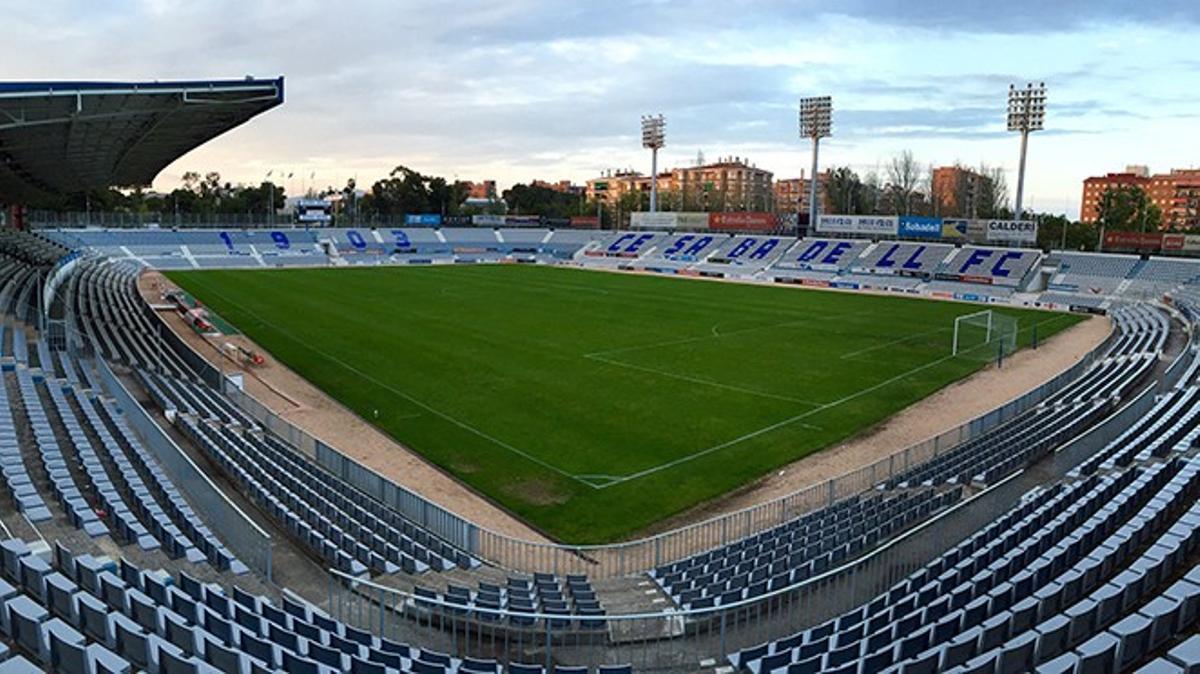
(903, 187)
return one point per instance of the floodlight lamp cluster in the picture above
(816, 117)
(653, 131)
(1027, 107)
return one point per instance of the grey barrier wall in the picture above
(436, 519)
(250, 543)
(632, 557)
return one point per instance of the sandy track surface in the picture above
(302, 404)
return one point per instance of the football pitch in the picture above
(595, 404)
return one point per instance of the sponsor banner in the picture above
(423, 219)
(712, 274)
(644, 220)
(692, 220)
(870, 225)
(1191, 241)
(1133, 240)
(1175, 242)
(743, 222)
(1018, 231)
(849, 285)
(954, 229)
(942, 294)
(487, 220)
(456, 220)
(1081, 309)
(977, 279)
(419, 260)
(519, 220)
(970, 297)
(555, 222)
(815, 283)
(585, 221)
(977, 230)
(918, 227)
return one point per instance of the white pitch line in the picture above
(869, 349)
(791, 420)
(698, 380)
(713, 334)
(432, 410)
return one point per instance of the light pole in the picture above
(816, 122)
(270, 198)
(653, 138)
(1026, 113)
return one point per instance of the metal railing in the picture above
(638, 556)
(676, 639)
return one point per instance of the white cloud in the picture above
(549, 89)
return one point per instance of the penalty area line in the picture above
(799, 417)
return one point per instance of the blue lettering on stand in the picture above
(913, 261)
(401, 238)
(700, 245)
(281, 240)
(227, 239)
(999, 270)
(763, 250)
(741, 248)
(678, 244)
(814, 249)
(836, 252)
(976, 257)
(616, 245)
(888, 259)
(638, 242)
(356, 239)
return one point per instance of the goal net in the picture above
(984, 335)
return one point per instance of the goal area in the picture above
(984, 335)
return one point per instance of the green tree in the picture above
(1077, 235)
(846, 193)
(1127, 208)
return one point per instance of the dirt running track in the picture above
(302, 404)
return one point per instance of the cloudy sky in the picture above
(522, 89)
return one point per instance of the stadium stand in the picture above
(900, 257)
(996, 266)
(824, 255)
(358, 536)
(800, 549)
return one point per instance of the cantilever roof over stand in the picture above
(63, 137)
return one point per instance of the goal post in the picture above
(984, 335)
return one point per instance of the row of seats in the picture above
(382, 539)
(797, 550)
(520, 597)
(1017, 594)
(1007, 448)
(79, 613)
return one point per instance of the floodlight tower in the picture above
(1026, 113)
(816, 121)
(654, 138)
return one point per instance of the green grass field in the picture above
(595, 404)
